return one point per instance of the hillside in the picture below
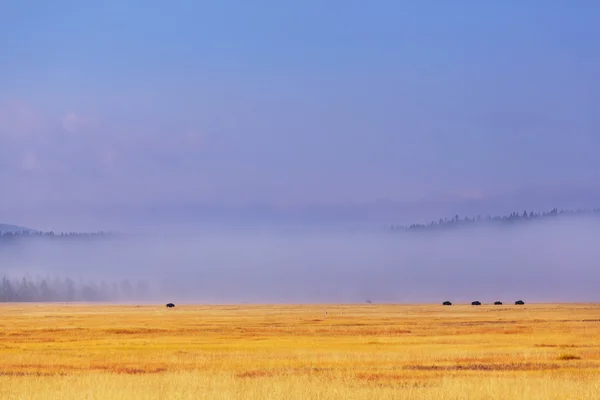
(5, 228)
(508, 219)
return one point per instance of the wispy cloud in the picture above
(73, 122)
(76, 153)
(18, 120)
(28, 161)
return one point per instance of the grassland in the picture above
(61, 351)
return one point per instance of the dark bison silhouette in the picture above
(476, 303)
(519, 302)
(446, 303)
(170, 305)
(497, 303)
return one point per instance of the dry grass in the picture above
(297, 352)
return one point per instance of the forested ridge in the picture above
(29, 234)
(508, 219)
(442, 223)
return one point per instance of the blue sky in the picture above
(297, 103)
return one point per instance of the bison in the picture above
(446, 303)
(497, 303)
(170, 305)
(476, 303)
(519, 302)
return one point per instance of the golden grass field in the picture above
(68, 351)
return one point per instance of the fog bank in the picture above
(551, 261)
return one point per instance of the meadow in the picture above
(368, 351)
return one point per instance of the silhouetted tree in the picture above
(26, 289)
(90, 292)
(126, 289)
(71, 292)
(103, 291)
(142, 289)
(46, 293)
(8, 293)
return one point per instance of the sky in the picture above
(431, 107)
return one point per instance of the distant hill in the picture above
(514, 217)
(6, 228)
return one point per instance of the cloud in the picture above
(73, 122)
(28, 161)
(109, 158)
(31, 139)
(73, 156)
(18, 120)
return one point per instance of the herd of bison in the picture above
(478, 303)
(446, 303)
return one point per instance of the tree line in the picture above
(27, 234)
(514, 217)
(47, 289)
(442, 223)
